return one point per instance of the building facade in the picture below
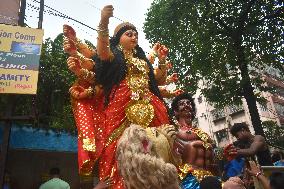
(217, 122)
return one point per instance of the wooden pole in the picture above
(40, 17)
(22, 14)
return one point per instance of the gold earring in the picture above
(134, 51)
(120, 47)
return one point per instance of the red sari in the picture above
(115, 117)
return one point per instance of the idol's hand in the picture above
(179, 147)
(155, 47)
(69, 46)
(162, 53)
(107, 182)
(230, 152)
(78, 92)
(172, 78)
(177, 92)
(69, 32)
(74, 65)
(106, 13)
(169, 131)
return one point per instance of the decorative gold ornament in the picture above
(200, 174)
(140, 112)
(89, 144)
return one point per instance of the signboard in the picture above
(9, 11)
(19, 59)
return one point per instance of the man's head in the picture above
(277, 155)
(240, 131)
(183, 105)
(54, 172)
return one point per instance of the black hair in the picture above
(182, 96)
(54, 171)
(238, 127)
(109, 74)
(210, 182)
(277, 180)
(276, 156)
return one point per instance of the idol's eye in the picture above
(131, 34)
(189, 132)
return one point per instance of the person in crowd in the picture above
(234, 183)
(275, 181)
(255, 145)
(211, 182)
(277, 158)
(55, 182)
(234, 167)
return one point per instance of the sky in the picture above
(88, 12)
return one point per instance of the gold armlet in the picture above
(87, 75)
(163, 64)
(203, 136)
(82, 57)
(81, 45)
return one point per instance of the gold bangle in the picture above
(91, 92)
(102, 31)
(87, 75)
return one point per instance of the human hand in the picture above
(74, 65)
(254, 169)
(69, 46)
(104, 183)
(69, 32)
(106, 13)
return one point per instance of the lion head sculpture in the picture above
(139, 164)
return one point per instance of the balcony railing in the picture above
(235, 108)
(217, 114)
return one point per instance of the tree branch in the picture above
(244, 15)
(275, 14)
(228, 30)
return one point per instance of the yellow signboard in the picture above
(20, 49)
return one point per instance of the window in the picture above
(199, 99)
(263, 107)
(217, 114)
(222, 135)
(276, 73)
(279, 109)
(235, 108)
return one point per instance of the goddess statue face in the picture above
(129, 40)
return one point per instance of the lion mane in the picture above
(139, 164)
